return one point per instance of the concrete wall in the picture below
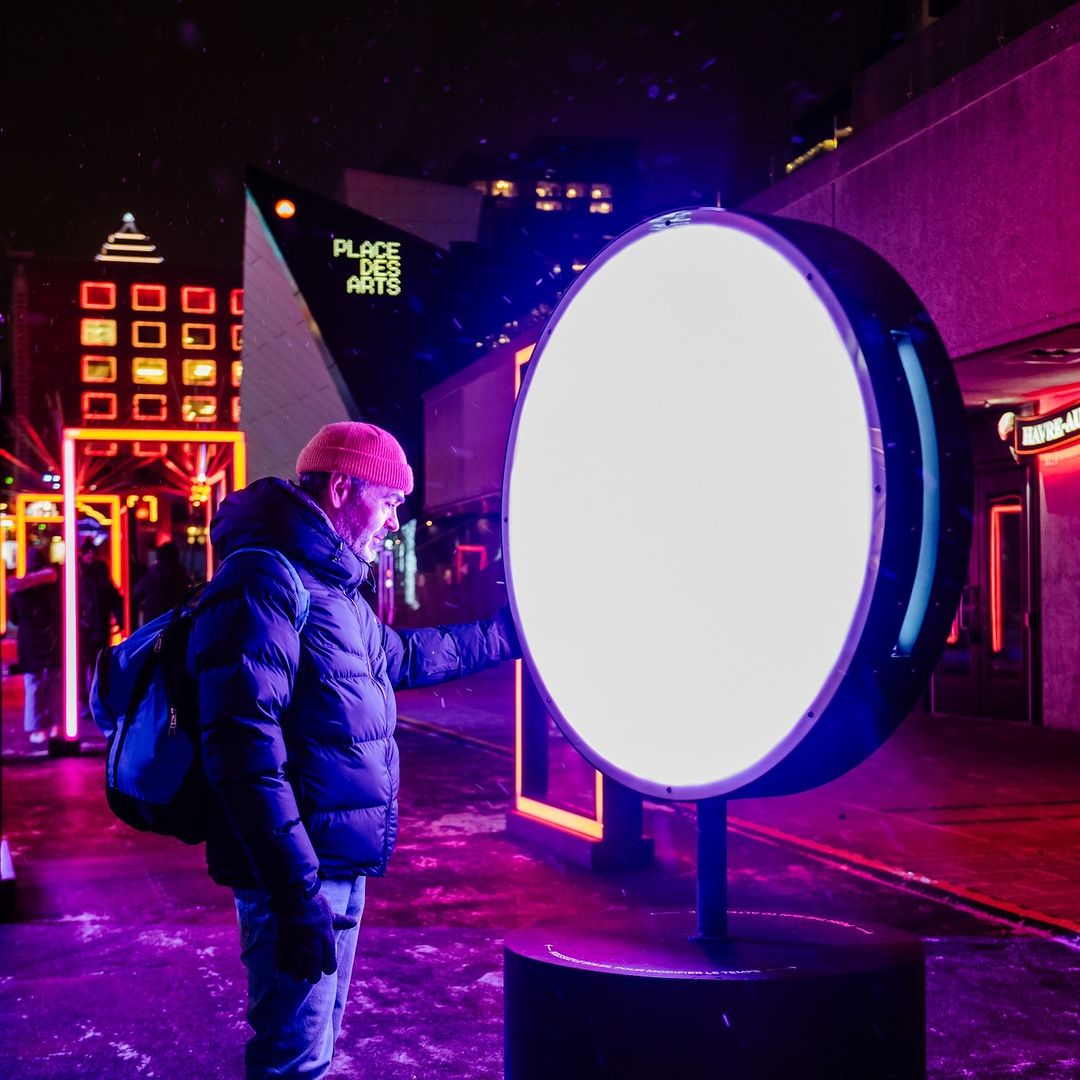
(972, 191)
(437, 213)
(1059, 510)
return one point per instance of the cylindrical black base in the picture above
(790, 996)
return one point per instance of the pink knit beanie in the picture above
(361, 450)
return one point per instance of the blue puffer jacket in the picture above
(298, 729)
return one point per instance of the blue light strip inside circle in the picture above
(931, 486)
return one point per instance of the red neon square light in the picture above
(100, 449)
(97, 405)
(149, 449)
(236, 333)
(199, 299)
(97, 295)
(148, 297)
(236, 302)
(234, 409)
(149, 407)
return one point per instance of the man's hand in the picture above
(305, 943)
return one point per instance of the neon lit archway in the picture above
(71, 498)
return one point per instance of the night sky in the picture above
(157, 107)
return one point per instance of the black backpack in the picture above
(147, 706)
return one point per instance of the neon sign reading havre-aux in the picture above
(1051, 431)
(378, 266)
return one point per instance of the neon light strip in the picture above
(71, 639)
(521, 357)
(997, 600)
(580, 824)
(931, 514)
(954, 632)
(71, 437)
(129, 258)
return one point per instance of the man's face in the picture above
(365, 517)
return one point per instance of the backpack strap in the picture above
(303, 597)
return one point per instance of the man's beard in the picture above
(354, 533)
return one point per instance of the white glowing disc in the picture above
(689, 501)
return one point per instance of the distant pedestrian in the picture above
(298, 727)
(163, 586)
(35, 608)
(100, 605)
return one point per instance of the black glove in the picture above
(305, 941)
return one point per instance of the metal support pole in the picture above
(712, 869)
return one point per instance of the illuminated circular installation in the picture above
(736, 505)
(285, 208)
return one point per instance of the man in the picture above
(163, 585)
(298, 726)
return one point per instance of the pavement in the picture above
(121, 957)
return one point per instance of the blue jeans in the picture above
(295, 1024)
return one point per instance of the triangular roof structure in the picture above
(128, 245)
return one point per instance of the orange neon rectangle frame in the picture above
(85, 503)
(193, 375)
(590, 827)
(148, 335)
(97, 295)
(190, 343)
(198, 299)
(97, 331)
(149, 370)
(997, 598)
(236, 336)
(149, 449)
(73, 436)
(236, 372)
(141, 402)
(236, 302)
(234, 410)
(148, 297)
(105, 368)
(198, 408)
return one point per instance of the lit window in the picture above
(236, 333)
(236, 302)
(148, 334)
(198, 408)
(479, 185)
(234, 410)
(198, 299)
(575, 191)
(151, 370)
(600, 208)
(97, 295)
(198, 335)
(237, 372)
(548, 189)
(548, 204)
(149, 407)
(97, 331)
(503, 189)
(200, 372)
(99, 368)
(600, 191)
(148, 297)
(149, 449)
(100, 449)
(97, 405)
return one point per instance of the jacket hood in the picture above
(274, 513)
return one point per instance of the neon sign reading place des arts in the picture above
(378, 266)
